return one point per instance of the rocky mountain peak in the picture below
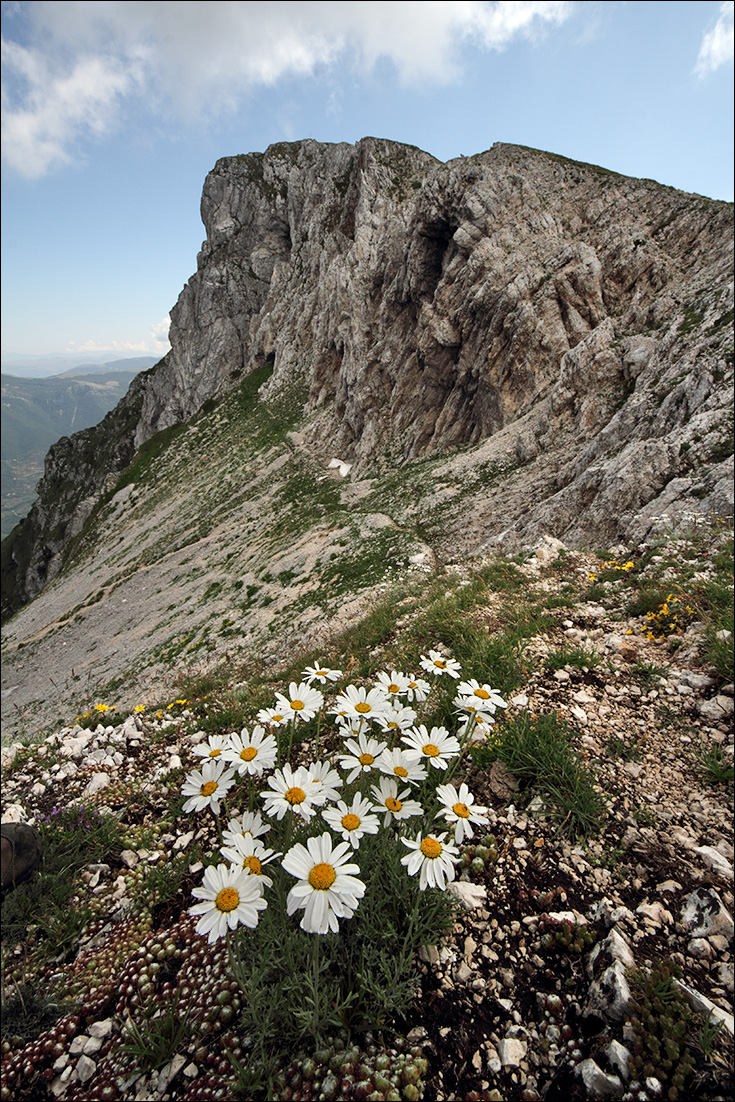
(557, 316)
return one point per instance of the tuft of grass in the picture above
(714, 767)
(29, 1011)
(537, 750)
(647, 673)
(578, 657)
(157, 1038)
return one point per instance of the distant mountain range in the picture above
(57, 363)
(36, 412)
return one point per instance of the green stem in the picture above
(316, 1032)
(464, 748)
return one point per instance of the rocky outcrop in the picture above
(426, 307)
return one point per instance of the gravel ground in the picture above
(530, 995)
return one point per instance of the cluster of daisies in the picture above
(386, 756)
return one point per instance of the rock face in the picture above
(580, 317)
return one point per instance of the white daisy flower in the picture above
(326, 889)
(436, 663)
(417, 690)
(435, 747)
(251, 753)
(354, 821)
(485, 698)
(250, 855)
(396, 719)
(321, 674)
(482, 729)
(395, 804)
(434, 856)
(290, 791)
(324, 783)
(399, 763)
(273, 717)
(458, 809)
(364, 752)
(251, 823)
(362, 703)
(392, 684)
(231, 898)
(207, 787)
(213, 747)
(302, 701)
(465, 707)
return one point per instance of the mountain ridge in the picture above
(503, 346)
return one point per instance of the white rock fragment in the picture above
(597, 1082)
(471, 896)
(340, 465)
(101, 1029)
(714, 859)
(618, 1057)
(655, 914)
(608, 996)
(97, 783)
(704, 1005)
(511, 1051)
(85, 1068)
(704, 913)
(168, 1073)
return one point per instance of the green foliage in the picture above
(70, 839)
(714, 766)
(296, 987)
(537, 751)
(660, 1017)
(647, 673)
(578, 657)
(157, 1036)
(619, 748)
(29, 1011)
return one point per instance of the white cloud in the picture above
(157, 343)
(52, 109)
(717, 44)
(85, 59)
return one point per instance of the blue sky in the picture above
(113, 113)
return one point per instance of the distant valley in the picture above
(38, 411)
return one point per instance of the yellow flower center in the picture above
(393, 805)
(430, 750)
(461, 810)
(227, 900)
(253, 864)
(400, 771)
(482, 693)
(215, 753)
(208, 788)
(362, 706)
(276, 718)
(322, 877)
(431, 848)
(393, 688)
(440, 663)
(366, 759)
(248, 753)
(350, 821)
(295, 795)
(297, 705)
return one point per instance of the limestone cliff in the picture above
(578, 318)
